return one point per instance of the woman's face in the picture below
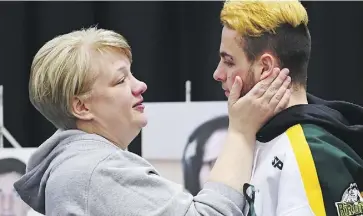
(115, 105)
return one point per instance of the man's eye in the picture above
(229, 64)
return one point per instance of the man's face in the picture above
(234, 63)
(10, 203)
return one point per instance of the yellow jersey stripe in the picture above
(307, 169)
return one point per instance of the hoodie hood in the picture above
(342, 119)
(31, 187)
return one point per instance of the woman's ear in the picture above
(267, 63)
(80, 108)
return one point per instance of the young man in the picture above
(306, 160)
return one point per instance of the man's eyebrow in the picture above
(225, 55)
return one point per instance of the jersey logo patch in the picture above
(277, 163)
(352, 202)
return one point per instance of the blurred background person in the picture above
(11, 170)
(201, 152)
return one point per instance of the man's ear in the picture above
(267, 64)
(80, 108)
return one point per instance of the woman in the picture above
(81, 82)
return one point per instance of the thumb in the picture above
(235, 92)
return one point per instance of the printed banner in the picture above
(12, 167)
(182, 140)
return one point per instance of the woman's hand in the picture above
(268, 97)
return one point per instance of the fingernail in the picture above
(236, 79)
(286, 71)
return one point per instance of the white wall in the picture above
(169, 169)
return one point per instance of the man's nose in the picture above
(218, 75)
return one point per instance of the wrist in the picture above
(245, 137)
(243, 131)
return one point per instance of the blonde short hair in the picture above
(63, 69)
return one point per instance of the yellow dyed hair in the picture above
(278, 27)
(253, 18)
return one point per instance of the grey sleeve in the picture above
(127, 185)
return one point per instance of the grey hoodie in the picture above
(75, 173)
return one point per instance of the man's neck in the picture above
(298, 96)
